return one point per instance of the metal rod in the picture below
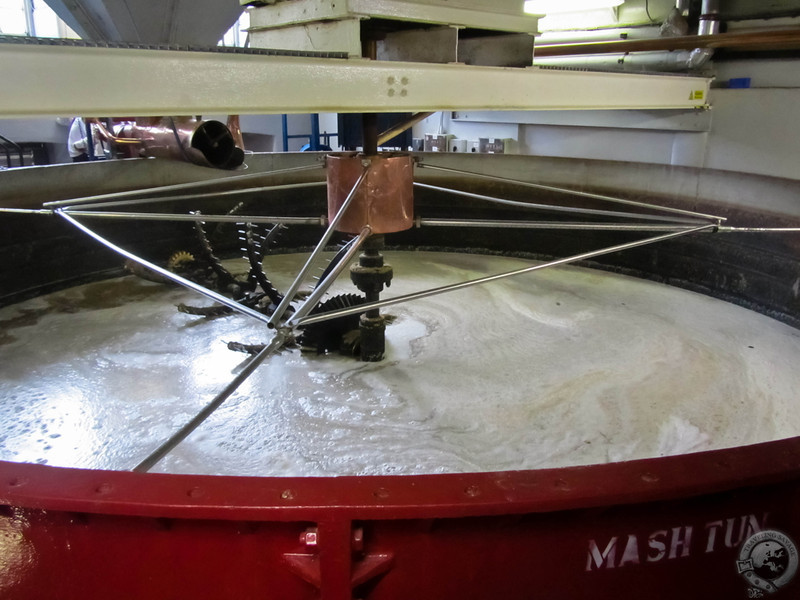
(314, 140)
(201, 218)
(369, 120)
(177, 187)
(402, 127)
(560, 190)
(176, 278)
(369, 125)
(154, 200)
(287, 298)
(308, 305)
(759, 229)
(554, 208)
(277, 341)
(548, 225)
(457, 286)
(26, 211)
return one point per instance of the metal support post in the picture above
(370, 275)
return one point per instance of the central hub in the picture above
(370, 275)
(384, 202)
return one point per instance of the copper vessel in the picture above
(385, 199)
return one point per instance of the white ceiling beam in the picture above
(107, 82)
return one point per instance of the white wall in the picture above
(46, 131)
(297, 125)
(755, 130)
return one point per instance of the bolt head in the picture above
(310, 537)
(358, 539)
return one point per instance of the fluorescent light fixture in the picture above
(545, 7)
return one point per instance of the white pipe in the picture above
(597, 35)
(637, 62)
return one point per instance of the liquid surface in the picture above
(562, 367)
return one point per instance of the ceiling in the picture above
(185, 22)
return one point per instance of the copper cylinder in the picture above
(206, 143)
(385, 199)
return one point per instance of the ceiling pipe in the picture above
(615, 34)
(776, 39)
(672, 51)
(709, 25)
(678, 53)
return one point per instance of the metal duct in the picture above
(709, 25)
(615, 34)
(637, 61)
(205, 143)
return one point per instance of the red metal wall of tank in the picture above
(676, 527)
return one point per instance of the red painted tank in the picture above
(719, 524)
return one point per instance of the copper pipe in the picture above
(401, 127)
(236, 130)
(207, 143)
(110, 137)
(787, 39)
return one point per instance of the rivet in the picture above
(195, 492)
(562, 484)
(357, 540)
(104, 488)
(309, 537)
(390, 80)
(287, 494)
(404, 81)
(381, 493)
(472, 491)
(390, 92)
(16, 482)
(650, 477)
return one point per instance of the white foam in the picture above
(562, 367)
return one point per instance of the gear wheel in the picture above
(180, 260)
(337, 334)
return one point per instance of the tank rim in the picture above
(227, 497)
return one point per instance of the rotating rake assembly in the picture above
(369, 197)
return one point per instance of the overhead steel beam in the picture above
(52, 81)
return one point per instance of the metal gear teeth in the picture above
(328, 336)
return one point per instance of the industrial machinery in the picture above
(716, 523)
